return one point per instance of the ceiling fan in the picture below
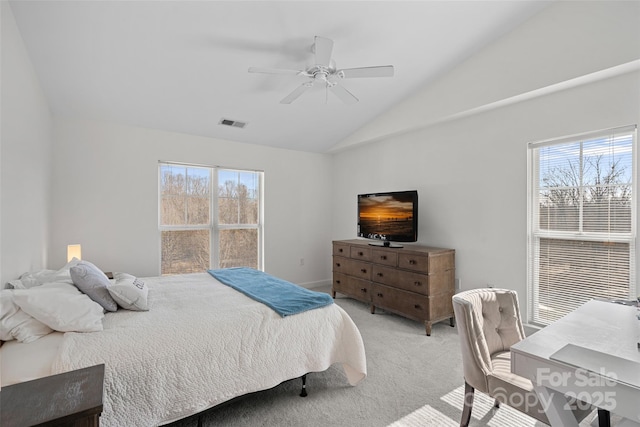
(324, 72)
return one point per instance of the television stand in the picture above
(386, 244)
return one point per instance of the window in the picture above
(201, 228)
(582, 221)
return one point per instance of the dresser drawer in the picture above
(432, 263)
(352, 267)
(358, 252)
(384, 257)
(407, 303)
(407, 280)
(431, 284)
(414, 262)
(340, 249)
(355, 288)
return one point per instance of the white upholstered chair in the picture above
(489, 324)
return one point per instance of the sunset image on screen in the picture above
(385, 208)
(385, 217)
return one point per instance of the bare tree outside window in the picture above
(238, 213)
(187, 225)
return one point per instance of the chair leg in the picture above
(604, 419)
(467, 405)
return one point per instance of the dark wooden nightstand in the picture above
(69, 399)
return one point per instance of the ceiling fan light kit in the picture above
(325, 72)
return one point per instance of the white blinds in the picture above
(581, 221)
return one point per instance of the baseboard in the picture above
(318, 284)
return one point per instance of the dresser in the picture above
(416, 282)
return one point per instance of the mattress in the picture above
(21, 362)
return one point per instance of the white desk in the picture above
(591, 353)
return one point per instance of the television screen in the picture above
(391, 216)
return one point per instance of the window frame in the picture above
(214, 226)
(535, 232)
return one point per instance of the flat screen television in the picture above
(388, 217)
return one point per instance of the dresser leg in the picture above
(451, 322)
(427, 326)
(333, 294)
(373, 309)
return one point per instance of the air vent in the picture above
(232, 123)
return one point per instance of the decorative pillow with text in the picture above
(129, 292)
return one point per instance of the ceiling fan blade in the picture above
(273, 70)
(346, 96)
(296, 93)
(379, 71)
(323, 48)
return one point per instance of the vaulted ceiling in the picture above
(182, 66)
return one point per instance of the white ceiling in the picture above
(182, 65)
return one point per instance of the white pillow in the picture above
(129, 292)
(16, 324)
(93, 282)
(61, 306)
(29, 280)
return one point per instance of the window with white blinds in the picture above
(582, 221)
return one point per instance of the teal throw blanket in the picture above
(285, 298)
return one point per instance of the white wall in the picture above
(565, 41)
(470, 171)
(25, 147)
(105, 197)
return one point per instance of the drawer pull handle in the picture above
(417, 283)
(417, 306)
(379, 294)
(412, 262)
(364, 270)
(360, 253)
(340, 250)
(379, 274)
(338, 281)
(383, 257)
(337, 264)
(364, 289)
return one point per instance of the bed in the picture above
(200, 344)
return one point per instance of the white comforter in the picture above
(203, 343)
